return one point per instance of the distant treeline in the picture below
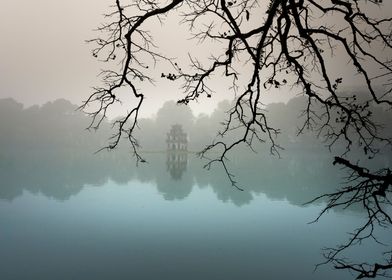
(60, 125)
(54, 125)
(47, 149)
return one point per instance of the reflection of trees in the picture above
(176, 162)
(46, 149)
(174, 189)
(57, 174)
(156, 171)
(57, 160)
(62, 174)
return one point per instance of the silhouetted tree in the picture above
(284, 44)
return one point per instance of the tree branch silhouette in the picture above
(372, 192)
(286, 44)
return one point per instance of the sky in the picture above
(44, 55)
(43, 52)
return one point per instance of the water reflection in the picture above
(60, 174)
(176, 163)
(108, 232)
(130, 232)
(44, 150)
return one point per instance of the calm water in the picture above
(65, 216)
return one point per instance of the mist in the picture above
(63, 193)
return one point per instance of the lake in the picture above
(65, 215)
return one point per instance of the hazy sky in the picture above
(42, 50)
(44, 56)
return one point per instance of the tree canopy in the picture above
(308, 47)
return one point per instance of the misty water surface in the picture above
(63, 217)
(67, 213)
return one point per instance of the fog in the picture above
(47, 149)
(44, 56)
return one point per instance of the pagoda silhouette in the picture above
(177, 151)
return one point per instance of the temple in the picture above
(177, 139)
(177, 151)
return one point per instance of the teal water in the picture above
(63, 217)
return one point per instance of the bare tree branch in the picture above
(285, 44)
